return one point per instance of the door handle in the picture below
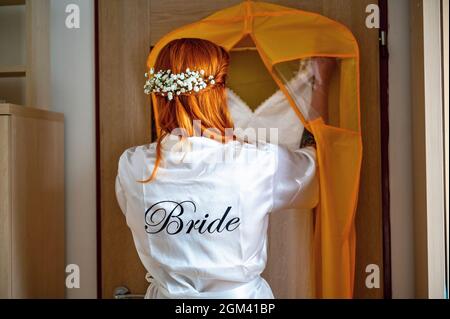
(123, 292)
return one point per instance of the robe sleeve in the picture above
(295, 181)
(120, 194)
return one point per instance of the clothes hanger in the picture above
(245, 44)
(235, 49)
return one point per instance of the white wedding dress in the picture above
(289, 270)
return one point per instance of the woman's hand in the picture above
(323, 70)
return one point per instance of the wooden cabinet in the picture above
(32, 237)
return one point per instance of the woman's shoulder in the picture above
(282, 154)
(258, 146)
(255, 154)
(265, 148)
(137, 154)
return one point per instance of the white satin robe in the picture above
(205, 180)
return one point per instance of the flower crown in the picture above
(169, 84)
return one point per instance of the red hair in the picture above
(209, 106)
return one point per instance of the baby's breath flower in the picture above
(169, 84)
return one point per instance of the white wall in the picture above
(73, 93)
(445, 35)
(400, 151)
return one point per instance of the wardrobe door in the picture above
(127, 29)
(37, 198)
(124, 121)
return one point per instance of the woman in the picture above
(197, 201)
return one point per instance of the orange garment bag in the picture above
(285, 37)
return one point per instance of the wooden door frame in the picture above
(384, 140)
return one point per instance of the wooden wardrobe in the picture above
(32, 257)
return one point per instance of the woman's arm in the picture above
(120, 195)
(295, 182)
(322, 72)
